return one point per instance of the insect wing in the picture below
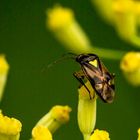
(99, 77)
(92, 73)
(108, 91)
(107, 94)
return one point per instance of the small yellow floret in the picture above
(9, 126)
(130, 62)
(100, 135)
(41, 133)
(59, 17)
(3, 65)
(61, 113)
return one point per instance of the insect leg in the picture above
(80, 77)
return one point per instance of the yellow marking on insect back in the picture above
(94, 63)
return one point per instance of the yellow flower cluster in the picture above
(57, 116)
(9, 128)
(123, 15)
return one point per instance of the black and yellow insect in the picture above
(93, 70)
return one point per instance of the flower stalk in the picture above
(57, 116)
(86, 110)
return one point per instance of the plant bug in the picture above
(98, 75)
(93, 69)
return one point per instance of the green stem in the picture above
(86, 136)
(107, 53)
(136, 41)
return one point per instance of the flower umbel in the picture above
(4, 67)
(124, 16)
(86, 110)
(41, 133)
(57, 116)
(130, 65)
(99, 135)
(9, 128)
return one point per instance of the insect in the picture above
(93, 70)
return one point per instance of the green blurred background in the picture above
(30, 93)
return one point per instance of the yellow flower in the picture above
(130, 65)
(41, 133)
(99, 135)
(125, 19)
(4, 67)
(86, 110)
(59, 17)
(105, 9)
(62, 23)
(137, 8)
(57, 116)
(9, 128)
(139, 134)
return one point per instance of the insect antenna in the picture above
(63, 57)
